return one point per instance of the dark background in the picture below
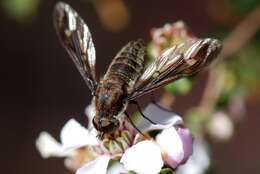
(41, 89)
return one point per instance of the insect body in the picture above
(112, 91)
(126, 78)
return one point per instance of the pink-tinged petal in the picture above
(171, 145)
(49, 147)
(187, 142)
(98, 166)
(143, 158)
(73, 136)
(79, 158)
(164, 119)
(176, 145)
(199, 160)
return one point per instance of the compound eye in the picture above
(105, 125)
(95, 122)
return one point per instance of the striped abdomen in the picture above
(128, 64)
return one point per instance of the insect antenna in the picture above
(132, 123)
(140, 111)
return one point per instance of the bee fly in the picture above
(126, 78)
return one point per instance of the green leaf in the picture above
(166, 171)
(181, 86)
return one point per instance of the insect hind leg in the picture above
(132, 123)
(140, 111)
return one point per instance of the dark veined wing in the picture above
(76, 38)
(184, 59)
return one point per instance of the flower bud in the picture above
(221, 126)
(176, 145)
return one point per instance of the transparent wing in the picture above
(181, 60)
(76, 38)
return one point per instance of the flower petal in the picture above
(116, 168)
(187, 142)
(164, 119)
(199, 161)
(98, 166)
(49, 147)
(176, 145)
(90, 112)
(73, 136)
(143, 158)
(171, 145)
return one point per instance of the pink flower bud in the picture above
(176, 145)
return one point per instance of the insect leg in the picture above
(132, 123)
(140, 111)
(158, 105)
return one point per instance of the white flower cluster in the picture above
(129, 151)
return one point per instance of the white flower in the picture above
(90, 112)
(74, 136)
(169, 35)
(75, 140)
(117, 168)
(143, 158)
(172, 146)
(49, 147)
(98, 166)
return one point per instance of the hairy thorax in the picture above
(110, 98)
